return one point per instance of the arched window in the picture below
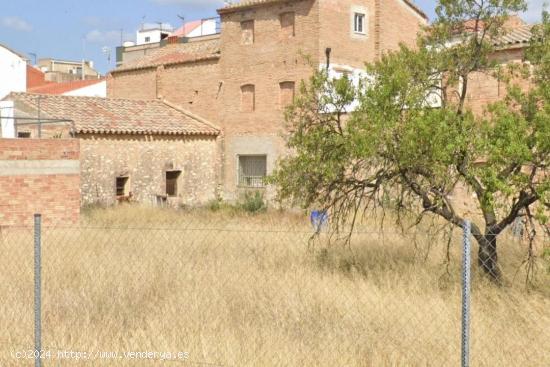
(286, 94)
(248, 98)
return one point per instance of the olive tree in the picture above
(411, 136)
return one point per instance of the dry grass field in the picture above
(232, 289)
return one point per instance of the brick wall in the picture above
(484, 88)
(193, 86)
(268, 52)
(399, 23)
(336, 32)
(133, 84)
(39, 176)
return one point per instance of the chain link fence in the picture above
(213, 290)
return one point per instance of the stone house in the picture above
(148, 151)
(243, 78)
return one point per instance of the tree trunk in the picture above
(487, 256)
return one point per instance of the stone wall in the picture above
(145, 160)
(39, 176)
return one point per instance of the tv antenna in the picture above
(107, 52)
(182, 18)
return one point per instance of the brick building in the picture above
(484, 87)
(148, 151)
(39, 176)
(243, 78)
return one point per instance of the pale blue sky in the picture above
(71, 29)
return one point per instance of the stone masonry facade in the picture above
(143, 163)
(39, 176)
(146, 151)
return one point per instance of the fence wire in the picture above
(244, 291)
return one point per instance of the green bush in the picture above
(215, 205)
(253, 202)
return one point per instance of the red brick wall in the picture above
(39, 176)
(484, 88)
(336, 32)
(35, 77)
(399, 24)
(133, 84)
(193, 86)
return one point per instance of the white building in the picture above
(198, 28)
(13, 72)
(98, 89)
(78, 88)
(151, 34)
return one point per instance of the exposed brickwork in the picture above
(485, 88)
(336, 32)
(52, 149)
(268, 45)
(193, 86)
(399, 23)
(143, 82)
(37, 188)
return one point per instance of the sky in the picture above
(76, 29)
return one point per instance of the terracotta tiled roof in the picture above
(60, 88)
(176, 54)
(94, 115)
(515, 32)
(253, 3)
(517, 36)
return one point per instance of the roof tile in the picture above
(175, 54)
(60, 88)
(118, 116)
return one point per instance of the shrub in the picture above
(253, 202)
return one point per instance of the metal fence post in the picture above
(37, 289)
(466, 266)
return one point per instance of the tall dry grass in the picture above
(238, 290)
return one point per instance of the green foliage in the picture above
(253, 202)
(396, 147)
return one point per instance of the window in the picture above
(147, 39)
(252, 170)
(172, 182)
(287, 25)
(122, 186)
(248, 98)
(286, 94)
(359, 23)
(24, 134)
(247, 32)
